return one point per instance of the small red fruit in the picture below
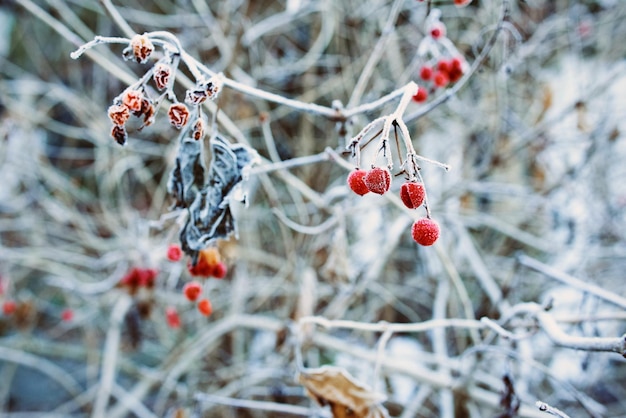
(444, 65)
(440, 79)
(462, 3)
(438, 30)
(426, 72)
(174, 252)
(378, 180)
(421, 95)
(205, 307)
(425, 231)
(172, 317)
(192, 290)
(9, 307)
(67, 315)
(356, 182)
(412, 194)
(219, 270)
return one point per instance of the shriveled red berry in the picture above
(412, 194)
(440, 79)
(9, 307)
(142, 47)
(426, 72)
(425, 231)
(421, 95)
(174, 252)
(378, 180)
(192, 290)
(172, 317)
(178, 115)
(132, 100)
(357, 183)
(219, 270)
(205, 307)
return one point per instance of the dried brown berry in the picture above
(118, 114)
(161, 75)
(378, 180)
(178, 114)
(119, 134)
(198, 129)
(196, 97)
(132, 99)
(142, 47)
(412, 194)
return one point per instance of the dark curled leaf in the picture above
(187, 177)
(210, 216)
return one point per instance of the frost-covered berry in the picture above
(132, 100)
(378, 180)
(421, 95)
(205, 307)
(192, 290)
(425, 231)
(141, 47)
(118, 114)
(161, 75)
(356, 182)
(412, 194)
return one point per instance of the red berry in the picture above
(147, 276)
(456, 63)
(378, 180)
(174, 252)
(440, 79)
(438, 30)
(356, 183)
(172, 317)
(462, 3)
(421, 95)
(412, 194)
(219, 270)
(9, 307)
(426, 72)
(444, 65)
(67, 315)
(205, 308)
(192, 290)
(425, 231)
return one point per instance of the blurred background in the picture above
(532, 211)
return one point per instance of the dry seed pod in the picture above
(196, 97)
(198, 129)
(141, 48)
(161, 75)
(118, 114)
(178, 115)
(119, 134)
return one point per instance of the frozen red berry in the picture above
(421, 95)
(192, 290)
(357, 183)
(9, 307)
(178, 115)
(426, 72)
(141, 47)
(219, 270)
(174, 252)
(425, 231)
(172, 317)
(205, 307)
(412, 194)
(378, 180)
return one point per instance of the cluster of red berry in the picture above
(209, 264)
(138, 277)
(425, 231)
(443, 73)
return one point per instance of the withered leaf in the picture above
(187, 177)
(210, 216)
(334, 386)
